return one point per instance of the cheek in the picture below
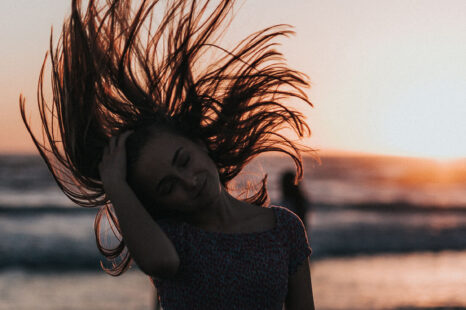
(215, 180)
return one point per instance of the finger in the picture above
(128, 133)
(122, 138)
(117, 137)
(112, 143)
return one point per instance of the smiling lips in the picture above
(202, 187)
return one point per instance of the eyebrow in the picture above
(176, 155)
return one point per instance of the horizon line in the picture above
(324, 152)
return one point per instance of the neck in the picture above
(222, 212)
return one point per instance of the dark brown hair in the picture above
(114, 69)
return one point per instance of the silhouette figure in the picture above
(293, 197)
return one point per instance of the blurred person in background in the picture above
(293, 197)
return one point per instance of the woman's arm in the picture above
(300, 295)
(148, 245)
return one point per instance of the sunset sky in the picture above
(388, 77)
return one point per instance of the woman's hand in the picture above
(112, 168)
(147, 243)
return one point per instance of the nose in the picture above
(191, 181)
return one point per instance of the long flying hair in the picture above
(115, 68)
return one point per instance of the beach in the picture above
(396, 281)
(402, 249)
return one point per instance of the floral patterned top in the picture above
(233, 270)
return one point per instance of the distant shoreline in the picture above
(390, 207)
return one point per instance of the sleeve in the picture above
(299, 248)
(175, 232)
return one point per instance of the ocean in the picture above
(386, 233)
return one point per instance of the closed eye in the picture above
(185, 161)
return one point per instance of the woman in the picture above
(154, 125)
(293, 197)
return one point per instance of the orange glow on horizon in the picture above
(387, 78)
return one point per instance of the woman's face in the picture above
(176, 173)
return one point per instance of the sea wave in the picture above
(61, 238)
